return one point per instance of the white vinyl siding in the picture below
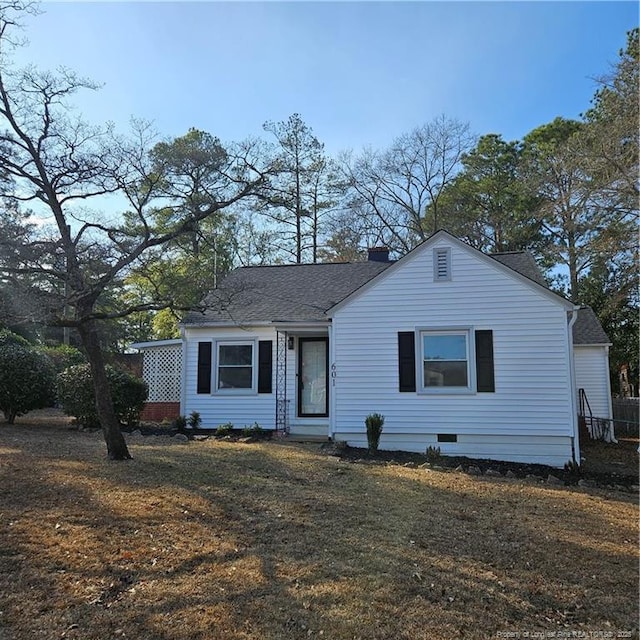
(592, 375)
(529, 416)
(241, 407)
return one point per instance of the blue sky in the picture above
(359, 73)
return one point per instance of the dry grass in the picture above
(227, 540)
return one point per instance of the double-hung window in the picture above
(234, 366)
(445, 360)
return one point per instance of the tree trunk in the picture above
(298, 220)
(116, 445)
(573, 267)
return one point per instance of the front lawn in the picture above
(220, 539)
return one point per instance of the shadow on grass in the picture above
(271, 541)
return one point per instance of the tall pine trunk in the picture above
(116, 445)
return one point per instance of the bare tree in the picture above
(59, 165)
(393, 188)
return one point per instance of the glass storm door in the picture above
(312, 377)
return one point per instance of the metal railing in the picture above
(598, 428)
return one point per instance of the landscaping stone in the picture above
(531, 476)
(180, 437)
(474, 471)
(634, 488)
(551, 479)
(493, 473)
(510, 474)
(409, 465)
(200, 438)
(136, 434)
(459, 468)
(425, 465)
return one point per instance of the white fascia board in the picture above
(301, 326)
(430, 242)
(223, 325)
(156, 343)
(592, 344)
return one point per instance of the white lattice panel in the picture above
(161, 370)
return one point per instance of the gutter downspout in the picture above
(575, 439)
(612, 433)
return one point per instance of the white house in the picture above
(457, 349)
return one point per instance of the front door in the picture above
(313, 374)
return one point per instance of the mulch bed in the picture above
(604, 465)
(607, 465)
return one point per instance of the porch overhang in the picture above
(297, 328)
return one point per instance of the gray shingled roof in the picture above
(587, 329)
(290, 293)
(305, 292)
(522, 262)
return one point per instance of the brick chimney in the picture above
(378, 254)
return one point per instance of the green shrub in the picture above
(433, 454)
(194, 420)
(27, 378)
(257, 431)
(180, 423)
(224, 429)
(76, 395)
(572, 467)
(8, 337)
(253, 431)
(63, 356)
(374, 422)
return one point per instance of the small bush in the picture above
(224, 429)
(180, 423)
(257, 431)
(573, 467)
(194, 420)
(253, 431)
(27, 377)
(374, 422)
(433, 454)
(76, 395)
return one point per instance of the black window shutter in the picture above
(484, 361)
(204, 367)
(407, 360)
(265, 351)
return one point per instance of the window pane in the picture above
(234, 378)
(445, 347)
(445, 374)
(238, 354)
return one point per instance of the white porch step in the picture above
(315, 430)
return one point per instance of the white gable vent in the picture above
(442, 264)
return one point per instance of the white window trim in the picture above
(254, 367)
(436, 251)
(471, 361)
